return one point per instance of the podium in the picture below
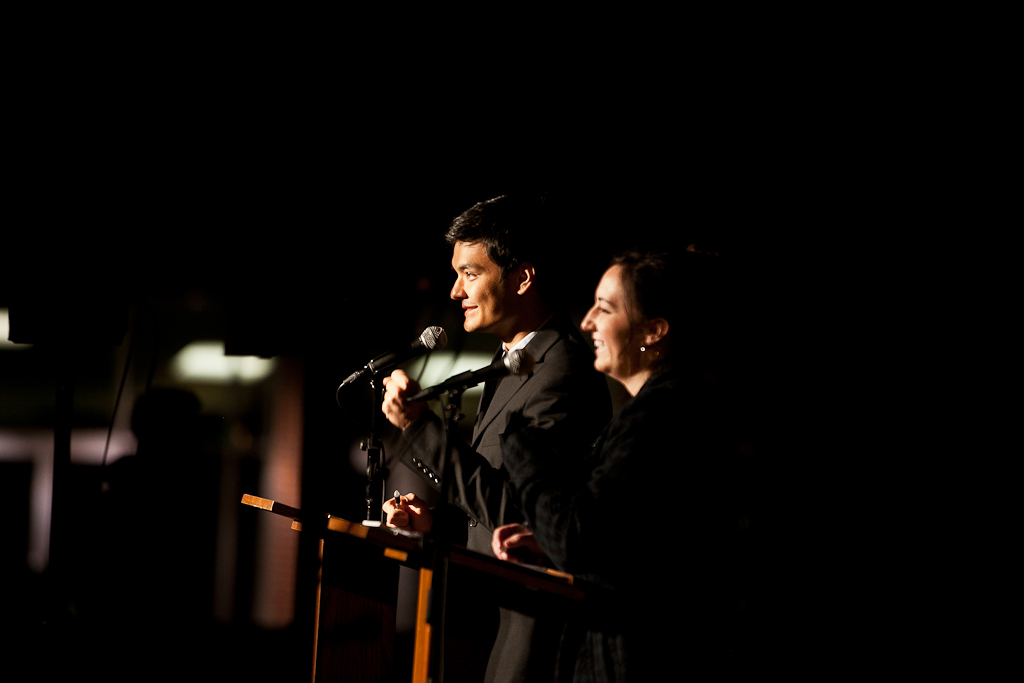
(357, 593)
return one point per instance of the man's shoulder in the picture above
(560, 338)
(565, 362)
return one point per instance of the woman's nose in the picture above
(587, 325)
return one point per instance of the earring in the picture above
(642, 349)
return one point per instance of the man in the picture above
(506, 288)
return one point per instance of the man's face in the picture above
(488, 301)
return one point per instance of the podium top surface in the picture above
(271, 506)
(372, 531)
(537, 577)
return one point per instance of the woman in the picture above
(654, 572)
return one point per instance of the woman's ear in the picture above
(527, 275)
(657, 329)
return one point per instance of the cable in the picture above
(120, 390)
(127, 365)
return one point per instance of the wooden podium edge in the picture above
(397, 544)
(272, 506)
(531, 576)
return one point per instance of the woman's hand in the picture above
(516, 543)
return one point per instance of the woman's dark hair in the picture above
(647, 284)
(686, 289)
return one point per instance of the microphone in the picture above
(518, 362)
(432, 338)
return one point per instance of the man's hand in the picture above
(516, 543)
(412, 514)
(395, 409)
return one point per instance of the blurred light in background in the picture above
(205, 361)
(5, 331)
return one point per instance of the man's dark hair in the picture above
(513, 229)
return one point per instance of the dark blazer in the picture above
(563, 395)
(647, 522)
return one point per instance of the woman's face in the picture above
(616, 341)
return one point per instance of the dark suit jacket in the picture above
(563, 395)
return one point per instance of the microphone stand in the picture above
(376, 472)
(438, 543)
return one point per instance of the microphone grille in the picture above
(519, 362)
(434, 338)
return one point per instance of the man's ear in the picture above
(657, 329)
(526, 275)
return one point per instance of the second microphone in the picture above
(517, 362)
